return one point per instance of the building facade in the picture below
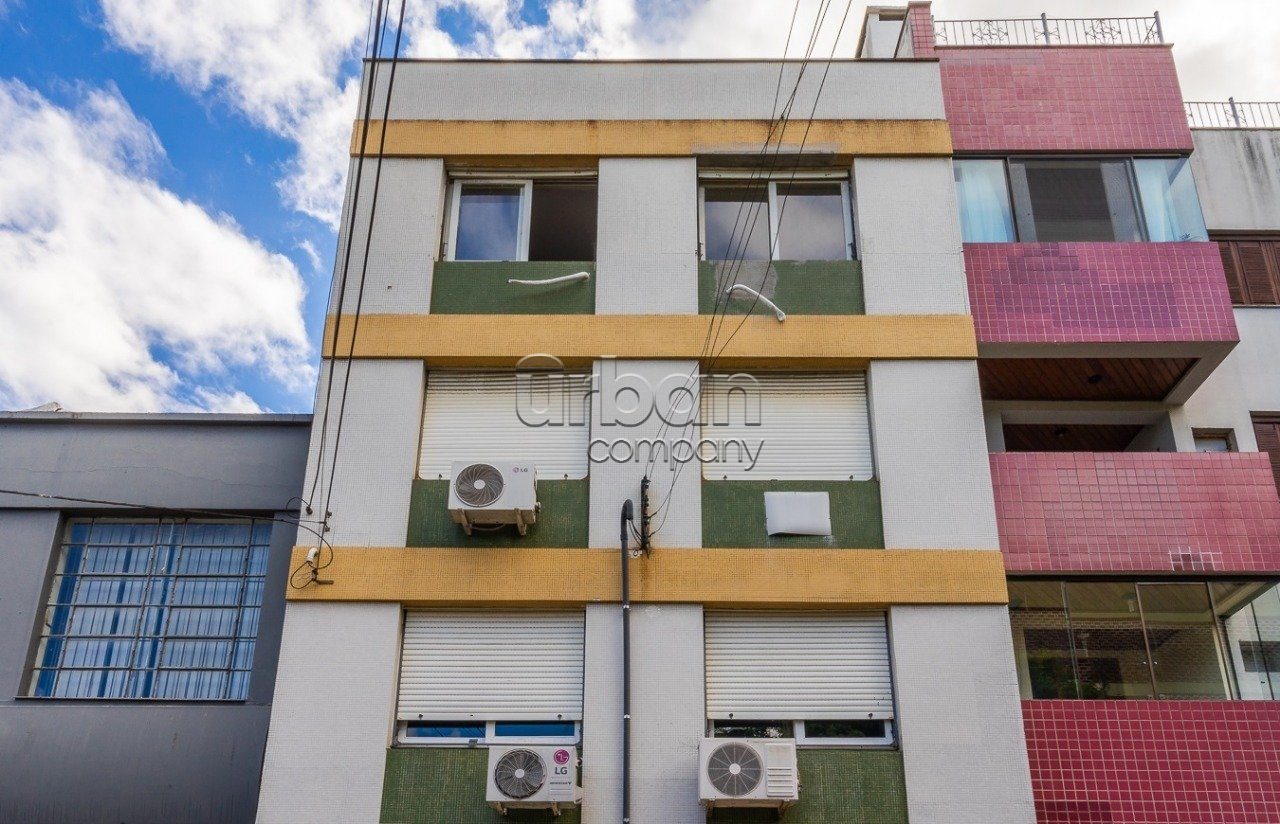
(938, 383)
(141, 603)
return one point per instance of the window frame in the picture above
(455, 214)
(1226, 663)
(1134, 188)
(888, 741)
(34, 668)
(490, 738)
(772, 180)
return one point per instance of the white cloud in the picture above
(278, 61)
(288, 64)
(115, 294)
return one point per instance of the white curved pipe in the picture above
(781, 315)
(550, 281)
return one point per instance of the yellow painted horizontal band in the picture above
(720, 577)
(803, 341)
(506, 140)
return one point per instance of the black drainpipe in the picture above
(627, 519)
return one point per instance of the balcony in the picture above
(483, 288)
(1156, 512)
(1177, 762)
(801, 287)
(1051, 84)
(1098, 321)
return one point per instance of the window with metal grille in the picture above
(153, 609)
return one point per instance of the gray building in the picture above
(138, 644)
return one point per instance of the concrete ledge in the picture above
(803, 341)
(814, 578)
(497, 140)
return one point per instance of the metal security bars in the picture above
(1233, 114)
(1051, 31)
(163, 609)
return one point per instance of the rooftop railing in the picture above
(1051, 31)
(1233, 114)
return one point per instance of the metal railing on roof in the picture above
(1051, 31)
(1233, 114)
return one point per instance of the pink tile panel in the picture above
(1056, 99)
(1063, 99)
(920, 20)
(1154, 762)
(1098, 292)
(1137, 512)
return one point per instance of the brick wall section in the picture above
(1154, 762)
(1098, 292)
(1063, 99)
(1136, 512)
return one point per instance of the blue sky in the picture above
(171, 170)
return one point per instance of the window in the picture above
(1074, 200)
(154, 609)
(475, 416)
(1169, 200)
(983, 192)
(801, 219)
(820, 677)
(842, 733)
(1213, 440)
(1053, 200)
(792, 427)
(1267, 430)
(1126, 639)
(472, 677)
(443, 733)
(518, 220)
(1252, 266)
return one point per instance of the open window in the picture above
(550, 219)
(805, 217)
(1078, 199)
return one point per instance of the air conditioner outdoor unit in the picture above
(533, 778)
(493, 494)
(748, 772)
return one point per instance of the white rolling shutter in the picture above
(477, 416)
(810, 427)
(792, 666)
(491, 666)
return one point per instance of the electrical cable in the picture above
(364, 267)
(372, 48)
(171, 510)
(664, 506)
(727, 270)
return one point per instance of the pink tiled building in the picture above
(1122, 251)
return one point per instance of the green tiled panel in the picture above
(445, 785)
(562, 521)
(481, 288)
(841, 787)
(733, 514)
(799, 287)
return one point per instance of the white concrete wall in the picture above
(681, 90)
(1237, 175)
(928, 435)
(377, 453)
(959, 716)
(333, 715)
(647, 237)
(612, 482)
(668, 714)
(1247, 381)
(908, 228)
(406, 235)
